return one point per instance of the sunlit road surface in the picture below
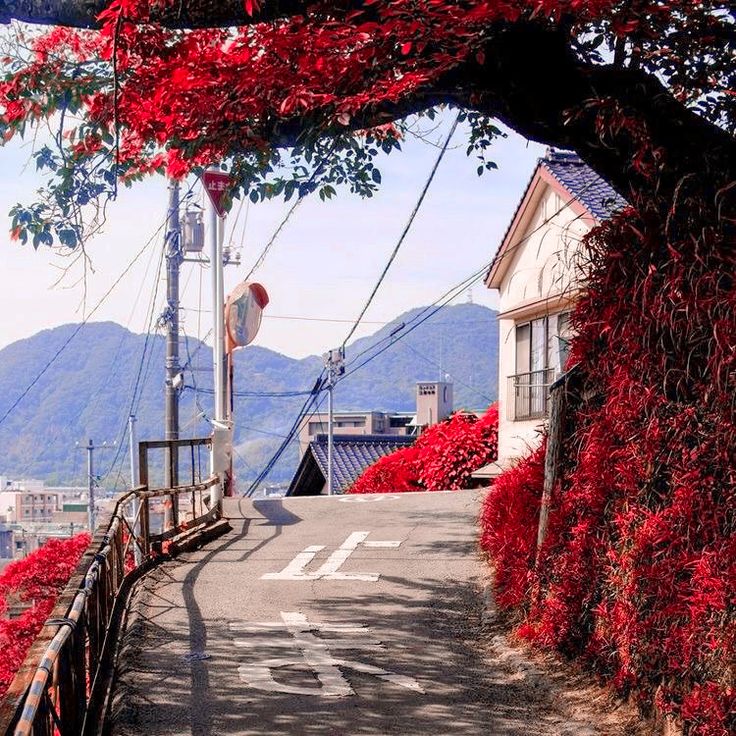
(345, 615)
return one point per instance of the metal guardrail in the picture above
(64, 683)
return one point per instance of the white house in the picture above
(536, 274)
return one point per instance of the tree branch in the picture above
(182, 14)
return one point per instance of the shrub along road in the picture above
(347, 615)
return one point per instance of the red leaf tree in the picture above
(169, 86)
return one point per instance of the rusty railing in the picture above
(64, 684)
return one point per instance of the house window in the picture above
(542, 346)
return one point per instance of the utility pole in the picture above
(171, 318)
(134, 482)
(335, 364)
(92, 479)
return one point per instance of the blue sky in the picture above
(323, 265)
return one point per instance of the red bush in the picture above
(38, 580)
(449, 452)
(442, 459)
(394, 473)
(638, 570)
(509, 527)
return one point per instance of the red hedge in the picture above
(509, 527)
(638, 571)
(38, 579)
(442, 459)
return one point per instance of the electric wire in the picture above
(403, 329)
(405, 231)
(136, 382)
(142, 373)
(455, 379)
(454, 291)
(306, 407)
(253, 394)
(77, 330)
(109, 376)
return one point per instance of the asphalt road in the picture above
(348, 615)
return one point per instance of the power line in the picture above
(78, 329)
(262, 257)
(454, 378)
(142, 373)
(254, 394)
(132, 407)
(264, 431)
(321, 319)
(451, 293)
(309, 402)
(405, 231)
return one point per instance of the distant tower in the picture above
(434, 402)
(469, 298)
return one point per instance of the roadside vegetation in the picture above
(29, 589)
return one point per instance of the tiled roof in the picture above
(598, 196)
(352, 455)
(593, 192)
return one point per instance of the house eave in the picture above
(538, 307)
(515, 233)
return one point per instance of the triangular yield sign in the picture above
(217, 185)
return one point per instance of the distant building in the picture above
(29, 506)
(31, 513)
(352, 455)
(434, 402)
(20, 484)
(536, 274)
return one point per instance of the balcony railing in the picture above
(528, 394)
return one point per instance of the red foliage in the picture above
(450, 451)
(394, 473)
(187, 98)
(442, 459)
(509, 527)
(638, 570)
(38, 579)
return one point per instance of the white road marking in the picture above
(337, 559)
(315, 654)
(295, 569)
(381, 544)
(330, 569)
(367, 499)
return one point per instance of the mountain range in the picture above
(87, 390)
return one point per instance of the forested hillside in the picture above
(88, 390)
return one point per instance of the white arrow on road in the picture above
(330, 570)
